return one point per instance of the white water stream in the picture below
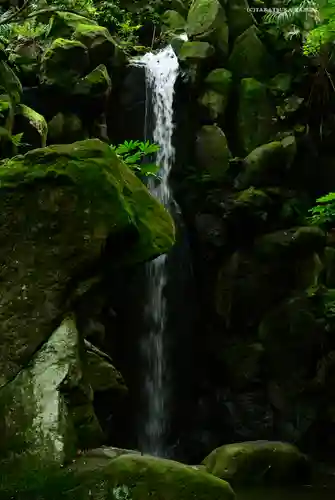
(161, 70)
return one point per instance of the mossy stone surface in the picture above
(195, 51)
(212, 151)
(9, 83)
(98, 40)
(95, 84)
(253, 462)
(63, 63)
(256, 115)
(33, 126)
(64, 24)
(58, 207)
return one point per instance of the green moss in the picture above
(249, 57)
(173, 22)
(65, 128)
(145, 477)
(212, 151)
(220, 80)
(195, 51)
(9, 83)
(207, 21)
(96, 83)
(255, 116)
(101, 372)
(62, 203)
(239, 17)
(33, 126)
(64, 24)
(215, 104)
(258, 462)
(101, 45)
(64, 62)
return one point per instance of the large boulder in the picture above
(32, 125)
(64, 203)
(195, 52)
(26, 55)
(249, 57)
(95, 85)
(64, 24)
(212, 151)
(39, 416)
(63, 63)
(64, 128)
(207, 21)
(124, 477)
(101, 372)
(255, 115)
(239, 17)
(173, 22)
(268, 164)
(9, 83)
(98, 40)
(220, 80)
(255, 462)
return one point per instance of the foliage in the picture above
(324, 34)
(296, 18)
(133, 153)
(324, 211)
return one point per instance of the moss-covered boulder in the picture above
(146, 477)
(64, 24)
(212, 151)
(239, 17)
(195, 51)
(220, 80)
(290, 332)
(63, 63)
(37, 406)
(255, 116)
(26, 55)
(63, 203)
(206, 20)
(268, 164)
(98, 40)
(214, 105)
(249, 57)
(255, 462)
(101, 372)
(173, 22)
(96, 84)
(32, 125)
(6, 113)
(124, 476)
(9, 83)
(64, 128)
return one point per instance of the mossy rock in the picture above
(101, 372)
(37, 410)
(146, 477)
(195, 51)
(296, 241)
(239, 17)
(26, 55)
(256, 117)
(126, 476)
(173, 22)
(64, 24)
(206, 20)
(9, 83)
(268, 164)
(6, 113)
(63, 63)
(63, 203)
(220, 80)
(214, 105)
(253, 462)
(98, 40)
(212, 151)
(249, 57)
(65, 128)
(32, 125)
(290, 332)
(96, 84)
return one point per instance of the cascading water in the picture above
(161, 70)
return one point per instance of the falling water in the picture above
(161, 70)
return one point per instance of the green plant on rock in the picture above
(322, 35)
(324, 212)
(296, 18)
(133, 152)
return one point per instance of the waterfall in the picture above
(161, 71)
